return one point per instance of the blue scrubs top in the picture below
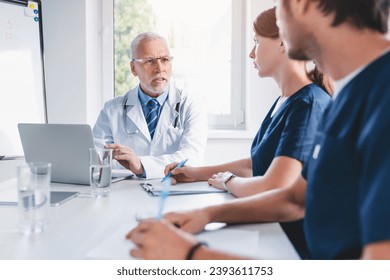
(290, 132)
(348, 174)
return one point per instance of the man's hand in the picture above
(126, 157)
(191, 221)
(160, 240)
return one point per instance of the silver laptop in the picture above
(65, 146)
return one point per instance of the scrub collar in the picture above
(340, 84)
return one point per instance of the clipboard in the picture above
(156, 188)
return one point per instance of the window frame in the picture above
(236, 119)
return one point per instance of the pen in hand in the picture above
(181, 164)
(166, 184)
(163, 198)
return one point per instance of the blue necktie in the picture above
(152, 117)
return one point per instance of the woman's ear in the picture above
(282, 49)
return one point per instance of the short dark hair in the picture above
(372, 14)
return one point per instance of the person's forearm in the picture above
(243, 187)
(379, 250)
(282, 172)
(242, 168)
(270, 206)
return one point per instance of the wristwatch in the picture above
(226, 178)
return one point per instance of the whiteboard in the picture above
(22, 84)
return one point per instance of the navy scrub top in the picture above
(348, 174)
(290, 132)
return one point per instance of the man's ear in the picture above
(132, 68)
(300, 7)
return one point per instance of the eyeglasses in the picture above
(152, 61)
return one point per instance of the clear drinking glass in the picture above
(100, 171)
(33, 196)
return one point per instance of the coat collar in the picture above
(167, 116)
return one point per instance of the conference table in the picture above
(79, 225)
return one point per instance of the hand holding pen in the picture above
(180, 174)
(169, 172)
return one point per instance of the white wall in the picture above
(73, 59)
(93, 51)
(65, 47)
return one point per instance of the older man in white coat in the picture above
(155, 123)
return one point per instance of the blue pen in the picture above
(181, 164)
(163, 197)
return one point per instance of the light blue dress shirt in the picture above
(144, 99)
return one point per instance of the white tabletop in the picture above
(81, 224)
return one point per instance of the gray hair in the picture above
(144, 36)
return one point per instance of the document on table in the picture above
(239, 242)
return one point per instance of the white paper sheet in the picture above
(239, 242)
(114, 247)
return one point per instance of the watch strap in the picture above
(227, 179)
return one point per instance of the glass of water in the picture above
(100, 171)
(33, 196)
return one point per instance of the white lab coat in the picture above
(170, 143)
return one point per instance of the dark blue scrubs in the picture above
(290, 132)
(348, 174)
